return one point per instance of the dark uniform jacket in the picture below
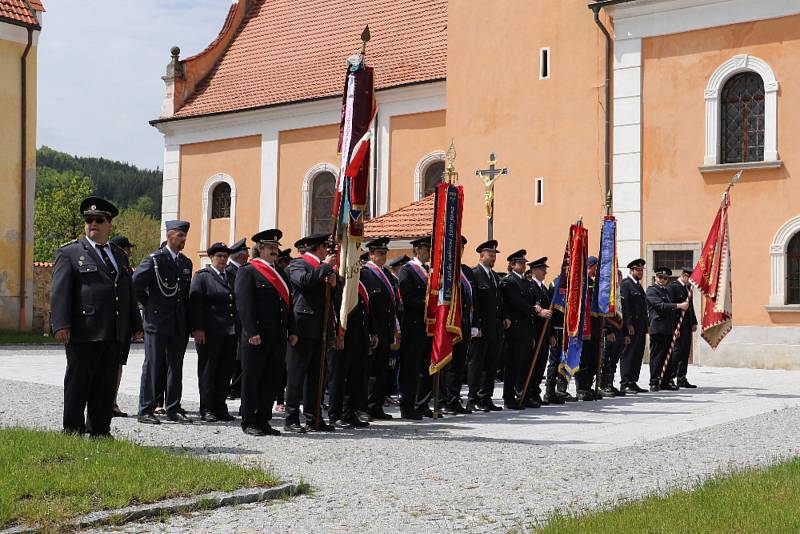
(359, 323)
(660, 310)
(518, 301)
(260, 307)
(231, 271)
(413, 290)
(308, 288)
(166, 309)
(469, 313)
(679, 293)
(86, 299)
(541, 296)
(212, 304)
(488, 303)
(634, 305)
(381, 303)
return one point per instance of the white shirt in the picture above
(488, 273)
(418, 262)
(108, 251)
(221, 273)
(173, 254)
(541, 284)
(236, 263)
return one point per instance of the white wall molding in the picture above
(170, 185)
(777, 251)
(308, 190)
(207, 205)
(735, 65)
(421, 168)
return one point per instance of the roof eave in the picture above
(35, 27)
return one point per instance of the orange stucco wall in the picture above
(239, 158)
(413, 137)
(538, 128)
(678, 201)
(299, 150)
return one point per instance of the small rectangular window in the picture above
(674, 260)
(539, 192)
(544, 63)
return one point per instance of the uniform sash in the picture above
(420, 271)
(378, 272)
(362, 291)
(272, 276)
(311, 260)
(466, 284)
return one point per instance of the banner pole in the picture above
(536, 352)
(436, 394)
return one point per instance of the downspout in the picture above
(609, 59)
(23, 201)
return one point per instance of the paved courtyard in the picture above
(479, 473)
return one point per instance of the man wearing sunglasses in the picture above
(662, 313)
(93, 312)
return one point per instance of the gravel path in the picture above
(481, 473)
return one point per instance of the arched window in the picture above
(323, 191)
(742, 113)
(793, 270)
(433, 176)
(221, 201)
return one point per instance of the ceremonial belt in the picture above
(420, 271)
(311, 260)
(378, 272)
(274, 278)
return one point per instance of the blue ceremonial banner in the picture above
(604, 296)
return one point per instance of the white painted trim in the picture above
(777, 251)
(735, 65)
(650, 18)
(546, 62)
(308, 189)
(422, 168)
(17, 34)
(170, 185)
(205, 212)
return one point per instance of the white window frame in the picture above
(777, 251)
(544, 62)
(208, 190)
(421, 168)
(537, 183)
(308, 190)
(735, 65)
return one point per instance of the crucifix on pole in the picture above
(489, 176)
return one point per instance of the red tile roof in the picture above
(37, 5)
(17, 12)
(294, 50)
(408, 222)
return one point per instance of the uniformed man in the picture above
(484, 351)
(264, 303)
(615, 338)
(398, 262)
(470, 326)
(541, 298)
(584, 378)
(519, 305)
(238, 256)
(634, 317)
(383, 301)
(309, 274)
(162, 283)
(125, 346)
(213, 320)
(284, 258)
(680, 291)
(93, 311)
(662, 317)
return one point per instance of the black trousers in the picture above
(454, 373)
(483, 357)
(379, 374)
(162, 371)
(542, 359)
(680, 355)
(302, 380)
(659, 344)
(632, 355)
(89, 384)
(611, 355)
(518, 357)
(215, 360)
(584, 378)
(261, 373)
(554, 360)
(347, 378)
(236, 373)
(416, 382)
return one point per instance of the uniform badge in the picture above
(82, 258)
(187, 271)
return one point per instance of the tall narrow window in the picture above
(221, 201)
(538, 192)
(322, 194)
(433, 176)
(793, 270)
(742, 113)
(544, 63)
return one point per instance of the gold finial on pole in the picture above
(450, 167)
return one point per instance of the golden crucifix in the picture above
(489, 176)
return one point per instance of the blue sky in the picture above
(100, 68)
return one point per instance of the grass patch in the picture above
(14, 337)
(761, 500)
(48, 477)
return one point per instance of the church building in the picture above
(665, 99)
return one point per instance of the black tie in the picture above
(107, 260)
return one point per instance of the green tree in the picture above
(141, 229)
(57, 218)
(144, 204)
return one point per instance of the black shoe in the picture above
(541, 400)
(179, 417)
(296, 428)
(654, 388)
(209, 418)
(148, 419)
(670, 386)
(226, 417)
(254, 431)
(492, 407)
(685, 384)
(636, 388)
(116, 412)
(426, 412)
(586, 395)
(380, 415)
(627, 390)
(363, 417)
(411, 415)
(533, 402)
(513, 405)
(323, 427)
(473, 407)
(358, 423)
(458, 409)
(567, 396)
(233, 395)
(341, 423)
(550, 397)
(269, 431)
(609, 391)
